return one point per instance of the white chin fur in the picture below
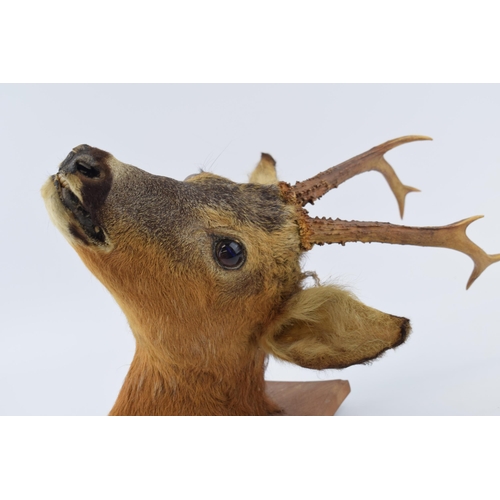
(57, 213)
(63, 219)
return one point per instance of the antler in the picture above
(320, 231)
(312, 189)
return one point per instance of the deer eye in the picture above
(229, 254)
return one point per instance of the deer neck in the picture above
(160, 383)
(195, 354)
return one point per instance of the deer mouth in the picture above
(83, 217)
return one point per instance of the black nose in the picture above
(91, 166)
(87, 170)
(85, 162)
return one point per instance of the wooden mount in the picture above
(321, 398)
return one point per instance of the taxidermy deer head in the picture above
(207, 272)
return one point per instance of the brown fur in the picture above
(203, 331)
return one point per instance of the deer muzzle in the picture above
(81, 186)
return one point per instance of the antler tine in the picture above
(320, 231)
(312, 189)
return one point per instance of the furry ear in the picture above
(265, 171)
(327, 327)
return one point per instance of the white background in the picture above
(65, 346)
(265, 41)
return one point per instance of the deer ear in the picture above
(327, 327)
(265, 171)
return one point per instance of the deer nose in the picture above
(83, 162)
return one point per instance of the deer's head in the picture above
(208, 272)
